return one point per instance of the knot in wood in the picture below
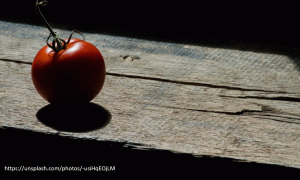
(130, 57)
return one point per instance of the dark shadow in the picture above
(74, 118)
(31, 149)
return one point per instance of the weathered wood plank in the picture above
(140, 116)
(179, 62)
(170, 97)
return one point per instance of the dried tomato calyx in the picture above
(58, 43)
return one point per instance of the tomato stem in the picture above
(38, 11)
(57, 43)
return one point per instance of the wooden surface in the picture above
(178, 97)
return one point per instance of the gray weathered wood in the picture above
(183, 98)
(179, 62)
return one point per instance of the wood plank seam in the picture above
(242, 112)
(179, 82)
(192, 83)
(279, 98)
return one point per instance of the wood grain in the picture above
(182, 98)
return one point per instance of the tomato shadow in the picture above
(74, 118)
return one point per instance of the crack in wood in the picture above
(242, 112)
(278, 98)
(180, 82)
(190, 83)
(273, 115)
(245, 112)
(15, 61)
(273, 118)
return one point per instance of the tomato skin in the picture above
(73, 75)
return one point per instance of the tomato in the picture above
(75, 74)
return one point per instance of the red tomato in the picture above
(73, 75)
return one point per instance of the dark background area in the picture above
(187, 22)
